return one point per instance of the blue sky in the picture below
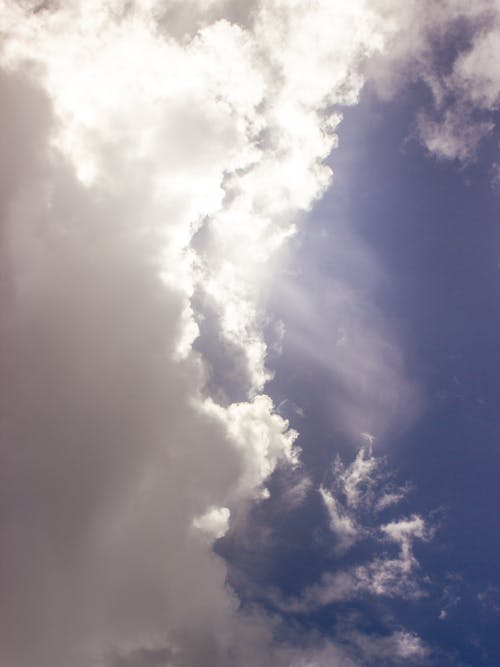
(250, 264)
(432, 227)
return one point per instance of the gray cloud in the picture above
(99, 439)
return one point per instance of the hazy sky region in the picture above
(249, 333)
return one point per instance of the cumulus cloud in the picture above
(155, 158)
(214, 522)
(130, 140)
(108, 456)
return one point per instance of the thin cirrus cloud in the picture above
(129, 131)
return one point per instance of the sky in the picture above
(249, 269)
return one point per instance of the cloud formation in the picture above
(359, 493)
(155, 158)
(451, 47)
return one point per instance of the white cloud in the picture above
(454, 135)
(261, 436)
(342, 523)
(358, 478)
(382, 577)
(130, 141)
(465, 91)
(474, 72)
(391, 498)
(359, 492)
(214, 522)
(395, 648)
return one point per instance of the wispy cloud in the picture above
(359, 492)
(353, 506)
(452, 50)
